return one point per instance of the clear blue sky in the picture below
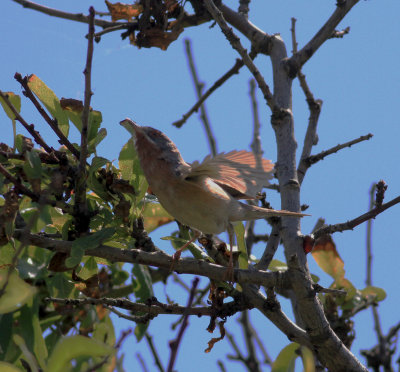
(357, 77)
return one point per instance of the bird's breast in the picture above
(199, 203)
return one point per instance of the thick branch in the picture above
(159, 259)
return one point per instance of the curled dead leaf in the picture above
(156, 37)
(214, 340)
(124, 11)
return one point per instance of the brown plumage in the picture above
(203, 195)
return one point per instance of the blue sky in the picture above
(357, 77)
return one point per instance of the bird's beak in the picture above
(131, 126)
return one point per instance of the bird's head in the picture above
(151, 143)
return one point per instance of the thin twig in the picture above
(174, 345)
(36, 198)
(232, 71)
(199, 89)
(350, 225)
(153, 350)
(314, 106)
(107, 30)
(80, 184)
(272, 245)
(29, 127)
(152, 309)
(140, 319)
(252, 363)
(256, 143)
(52, 122)
(368, 279)
(316, 158)
(142, 362)
(236, 44)
(78, 17)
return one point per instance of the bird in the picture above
(203, 196)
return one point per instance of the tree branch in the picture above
(234, 70)
(174, 345)
(78, 17)
(29, 127)
(316, 158)
(159, 259)
(350, 225)
(199, 88)
(52, 122)
(236, 44)
(327, 30)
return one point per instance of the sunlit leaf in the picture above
(73, 347)
(328, 259)
(378, 293)
(241, 243)
(17, 292)
(7, 367)
(131, 170)
(156, 37)
(285, 361)
(50, 101)
(308, 359)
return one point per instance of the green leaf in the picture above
(31, 332)
(131, 170)
(16, 102)
(194, 249)
(92, 144)
(378, 293)
(33, 165)
(95, 119)
(17, 292)
(7, 367)
(143, 289)
(285, 361)
(73, 347)
(89, 269)
(50, 101)
(308, 359)
(59, 286)
(241, 243)
(6, 325)
(87, 242)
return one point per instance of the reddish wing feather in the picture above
(238, 172)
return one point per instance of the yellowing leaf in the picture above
(7, 367)
(155, 216)
(327, 258)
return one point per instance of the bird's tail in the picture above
(252, 212)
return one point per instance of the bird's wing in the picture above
(238, 172)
